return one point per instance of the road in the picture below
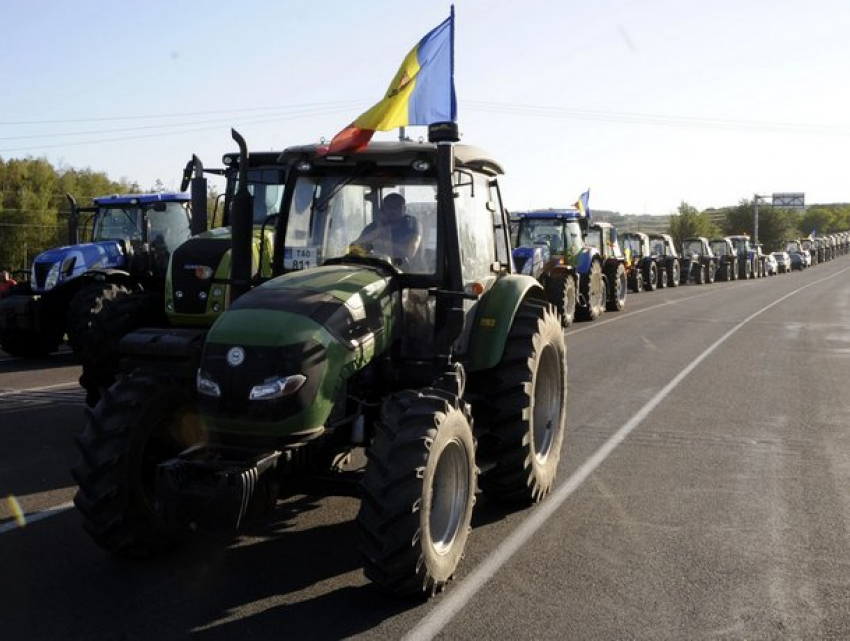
(702, 494)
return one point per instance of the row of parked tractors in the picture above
(587, 267)
(227, 368)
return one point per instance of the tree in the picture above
(824, 219)
(776, 224)
(690, 222)
(34, 209)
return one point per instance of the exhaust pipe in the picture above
(241, 225)
(194, 174)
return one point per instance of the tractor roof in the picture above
(551, 214)
(135, 199)
(393, 153)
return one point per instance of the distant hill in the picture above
(632, 222)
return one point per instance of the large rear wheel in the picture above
(143, 420)
(618, 290)
(674, 274)
(100, 354)
(521, 405)
(85, 305)
(652, 277)
(417, 492)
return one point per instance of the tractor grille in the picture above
(41, 270)
(191, 293)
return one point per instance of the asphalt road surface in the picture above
(703, 493)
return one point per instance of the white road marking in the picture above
(436, 620)
(40, 389)
(34, 517)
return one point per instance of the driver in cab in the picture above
(393, 233)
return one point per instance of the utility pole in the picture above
(756, 198)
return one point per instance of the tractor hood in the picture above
(276, 360)
(55, 266)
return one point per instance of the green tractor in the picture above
(417, 345)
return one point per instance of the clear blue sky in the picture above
(648, 103)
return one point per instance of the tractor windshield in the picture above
(559, 236)
(741, 244)
(117, 223)
(633, 245)
(391, 218)
(692, 248)
(720, 248)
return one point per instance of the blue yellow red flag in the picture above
(421, 93)
(582, 204)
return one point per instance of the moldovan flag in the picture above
(421, 93)
(581, 204)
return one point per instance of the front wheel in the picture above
(561, 291)
(417, 492)
(593, 293)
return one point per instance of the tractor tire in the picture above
(652, 278)
(710, 272)
(85, 305)
(592, 293)
(29, 344)
(662, 279)
(674, 274)
(561, 291)
(523, 404)
(618, 290)
(639, 286)
(143, 420)
(699, 276)
(100, 354)
(417, 492)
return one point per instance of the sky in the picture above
(646, 103)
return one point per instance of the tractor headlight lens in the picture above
(52, 276)
(207, 386)
(277, 388)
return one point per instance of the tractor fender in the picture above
(585, 258)
(494, 316)
(561, 271)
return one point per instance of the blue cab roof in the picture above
(135, 199)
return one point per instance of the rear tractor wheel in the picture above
(143, 420)
(618, 290)
(524, 408)
(84, 307)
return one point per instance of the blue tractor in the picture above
(128, 242)
(579, 264)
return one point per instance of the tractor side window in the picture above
(572, 238)
(594, 238)
(477, 238)
(266, 188)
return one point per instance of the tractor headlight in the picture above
(277, 388)
(52, 276)
(207, 386)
